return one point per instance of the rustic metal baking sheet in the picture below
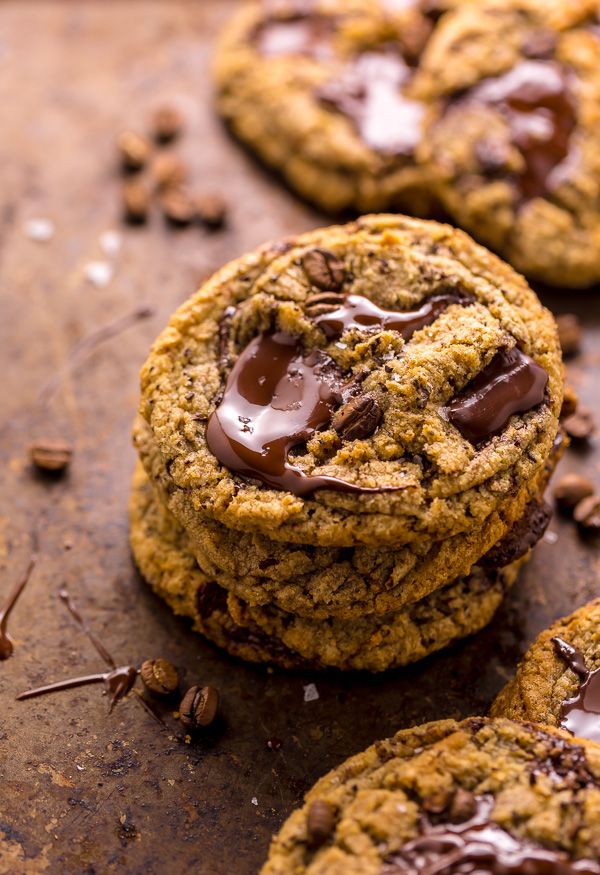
(82, 791)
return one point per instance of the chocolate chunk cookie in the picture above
(349, 582)
(251, 391)
(321, 91)
(558, 682)
(512, 139)
(164, 556)
(481, 796)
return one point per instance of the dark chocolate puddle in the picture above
(6, 642)
(580, 714)
(511, 383)
(118, 681)
(479, 846)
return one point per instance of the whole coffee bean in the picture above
(167, 170)
(167, 123)
(570, 402)
(212, 209)
(320, 821)
(159, 676)
(324, 269)
(133, 149)
(51, 455)
(569, 333)
(136, 201)
(317, 305)
(463, 806)
(199, 707)
(178, 205)
(358, 419)
(580, 425)
(571, 489)
(587, 513)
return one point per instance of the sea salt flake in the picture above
(551, 537)
(40, 230)
(99, 273)
(110, 243)
(311, 694)
(254, 800)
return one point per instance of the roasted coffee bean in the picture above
(580, 425)
(571, 489)
(587, 513)
(167, 123)
(320, 821)
(159, 676)
(570, 402)
(317, 305)
(212, 209)
(178, 205)
(199, 707)
(167, 170)
(358, 419)
(136, 201)
(462, 807)
(324, 269)
(569, 333)
(51, 455)
(437, 802)
(133, 149)
(274, 744)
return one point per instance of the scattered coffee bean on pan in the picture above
(199, 707)
(136, 201)
(212, 209)
(580, 425)
(166, 123)
(569, 333)
(571, 489)
(587, 513)
(51, 455)
(178, 205)
(159, 676)
(167, 170)
(133, 149)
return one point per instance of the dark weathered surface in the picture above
(82, 791)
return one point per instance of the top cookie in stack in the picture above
(346, 422)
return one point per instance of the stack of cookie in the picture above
(488, 109)
(344, 439)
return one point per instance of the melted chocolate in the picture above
(276, 398)
(304, 33)
(359, 312)
(117, 682)
(581, 714)
(512, 383)
(480, 847)
(535, 99)
(369, 93)
(6, 642)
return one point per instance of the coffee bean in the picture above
(317, 305)
(199, 707)
(580, 425)
(462, 807)
(178, 205)
(274, 744)
(136, 201)
(51, 455)
(166, 123)
(324, 269)
(569, 333)
(358, 419)
(167, 170)
(571, 489)
(587, 513)
(212, 209)
(133, 149)
(159, 676)
(320, 821)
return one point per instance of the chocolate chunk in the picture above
(211, 599)
(324, 269)
(358, 419)
(524, 535)
(570, 402)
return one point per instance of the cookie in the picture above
(480, 796)
(164, 556)
(348, 582)
(558, 682)
(511, 140)
(320, 91)
(401, 383)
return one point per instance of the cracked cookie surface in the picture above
(481, 795)
(416, 476)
